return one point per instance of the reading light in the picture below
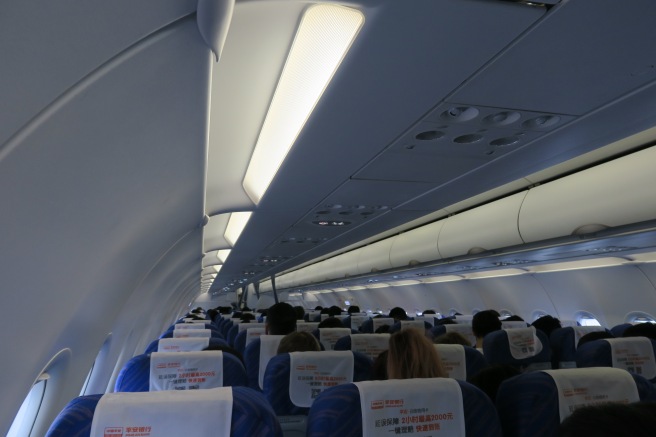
(236, 224)
(324, 36)
(223, 254)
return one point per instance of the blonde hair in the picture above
(412, 355)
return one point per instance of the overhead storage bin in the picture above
(616, 193)
(487, 227)
(416, 246)
(346, 264)
(375, 257)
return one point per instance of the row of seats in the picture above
(531, 404)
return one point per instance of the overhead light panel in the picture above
(236, 224)
(445, 278)
(494, 273)
(223, 254)
(324, 36)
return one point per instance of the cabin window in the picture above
(639, 317)
(504, 314)
(453, 312)
(584, 318)
(93, 378)
(537, 314)
(29, 410)
(476, 310)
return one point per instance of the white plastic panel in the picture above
(375, 256)
(346, 264)
(417, 245)
(489, 227)
(612, 194)
(608, 293)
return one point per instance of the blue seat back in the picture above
(135, 375)
(277, 375)
(337, 413)
(497, 351)
(598, 353)
(214, 342)
(528, 404)
(251, 416)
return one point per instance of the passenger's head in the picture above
(298, 342)
(611, 419)
(453, 338)
(446, 321)
(427, 312)
(300, 312)
(592, 336)
(383, 329)
(547, 324)
(398, 313)
(485, 322)
(247, 317)
(379, 367)
(318, 308)
(334, 311)
(490, 378)
(331, 322)
(641, 330)
(412, 355)
(281, 319)
(353, 309)
(513, 318)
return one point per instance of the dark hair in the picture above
(547, 324)
(318, 308)
(227, 349)
(485, 322)
(298, 342)
(379, 367)
(453, 338)
(592, 336)
(513, 318)
(281, 319)
(398, 313)
(334, 311)
(641, 330)
(612, 419)
(246, 317)
(300, 312)
(446, 321)
(331, 322)
(383, 329)
(490, 378)
(353, 309)
(428, 312)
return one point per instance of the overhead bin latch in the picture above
(213, 19)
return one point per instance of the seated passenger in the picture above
(592, 336)
(547, 324)
(334, 311)
(513, 318)
(483, 323)
(331, 322)
(613, 419)
(641, 330)
(300, 312)
(379, 368)
(490, 378)
(353, 309)
(298, 342)
(412, 355)
(452, 338)
(281, 319)
(398, 313)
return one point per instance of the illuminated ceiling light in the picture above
(340, 289)
(578, 265)
(236, 224)
(324, 36)
(647, 257)
(377, 285)
(404, 283)
(216, 268)
(445, 278)
(495, 273)
(223, 254)
(357, 287)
